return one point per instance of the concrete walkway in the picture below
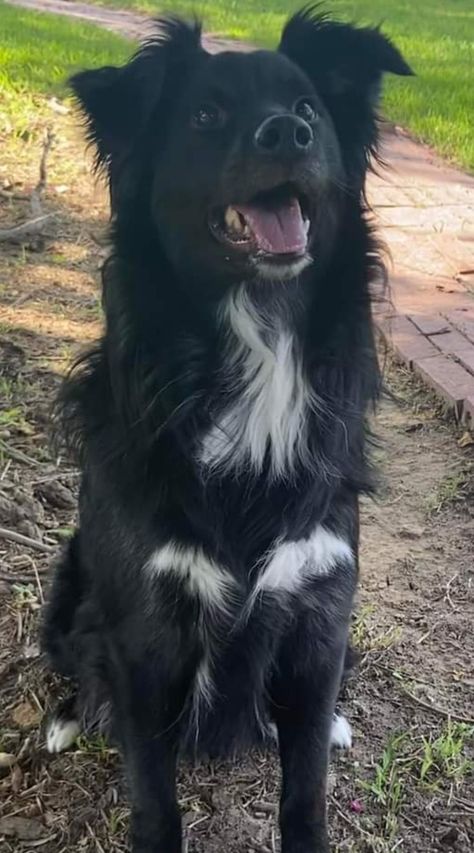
(425, 213)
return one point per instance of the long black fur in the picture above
(136, 409)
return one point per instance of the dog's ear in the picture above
(118, 102)
(109, 103)
(345, 65)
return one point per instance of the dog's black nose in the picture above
(285, 135)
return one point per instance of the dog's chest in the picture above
(265, 400)
(239, 626)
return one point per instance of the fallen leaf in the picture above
(16, 779)
(32, 651)
(7, 759)
(411, 532)
(466, 440)
(57, 107)
(25, 428)
(24, 828)
(26, 716)
(56, 495)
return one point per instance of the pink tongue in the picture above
(279, 230)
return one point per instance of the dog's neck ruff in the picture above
(268, 395)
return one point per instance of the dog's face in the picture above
(240, 163)
(249, 165)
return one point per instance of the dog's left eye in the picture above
(207, 117)
(304, 108)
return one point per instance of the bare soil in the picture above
(411, 701)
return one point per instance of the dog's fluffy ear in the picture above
(345, 65)
(106, 99)
(340, 59)
(118, 102)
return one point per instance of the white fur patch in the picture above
(203, 686)
(271, 406)
(203, 692)
(61, 734)
(203, 577)
(340, 737)
(290, 563)
(272, 272)
(341, 732)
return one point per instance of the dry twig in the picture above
(17, 454)
(35, 225)
(30, 228)
(12, 577)
(35, 201)
(13, 536)
(436, 710)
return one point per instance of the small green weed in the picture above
(118, 819)
(450, 490)
(25, 597)
(62, 533)
(95, 744)
(366, 638)
(387, 786)
(428, 762)
(443, 757)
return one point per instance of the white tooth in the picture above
(228, 216)
(306, 225)
(232, 219)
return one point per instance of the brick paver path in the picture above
(425, 213)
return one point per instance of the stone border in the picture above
(439, 349)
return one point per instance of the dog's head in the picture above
(238, 164)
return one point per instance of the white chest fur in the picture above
(271, 398)
(202, 577)
(289, 564)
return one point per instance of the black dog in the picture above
(221, 421)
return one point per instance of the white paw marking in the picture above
(61, 734)
(341, 732)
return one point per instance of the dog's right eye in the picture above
(207, 117)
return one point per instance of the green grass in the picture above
(365, 636)
(451, 490)
(436, 36)
(431, 763)
(38, 52)
(443, 757)
(387, 784)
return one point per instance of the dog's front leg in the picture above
(304, 694)
(150, 696)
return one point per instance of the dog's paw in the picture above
(61, 734)
(341, 732)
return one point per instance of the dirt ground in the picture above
(407, 784)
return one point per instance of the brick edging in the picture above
(438, 349)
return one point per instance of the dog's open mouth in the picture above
(274, 223)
